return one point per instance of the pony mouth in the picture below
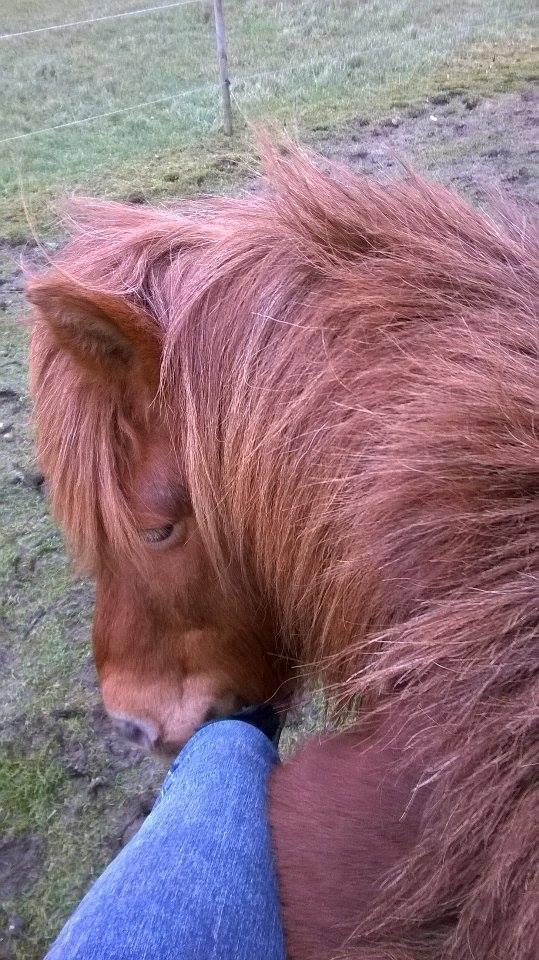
(223, 709)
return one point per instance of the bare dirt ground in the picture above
(478, 146)
(71, 791)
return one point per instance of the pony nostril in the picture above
(135, 732)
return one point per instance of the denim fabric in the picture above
(197, 882)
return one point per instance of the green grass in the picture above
(30, 788)
(78, 830)
(309, 63)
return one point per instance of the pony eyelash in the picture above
(158, 534)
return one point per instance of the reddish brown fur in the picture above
(348, 399)
(344, 814)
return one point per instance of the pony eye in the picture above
(158, 534)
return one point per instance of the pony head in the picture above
(171, 646)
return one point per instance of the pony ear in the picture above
(104, 333)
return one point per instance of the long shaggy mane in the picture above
(350, 376)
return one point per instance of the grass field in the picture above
(359, 79)
(309, 63)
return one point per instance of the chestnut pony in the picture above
(293, 434)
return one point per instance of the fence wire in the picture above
(169, 98)
(110, 16)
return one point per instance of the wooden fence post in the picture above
(220, 41)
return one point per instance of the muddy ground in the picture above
(71, 790)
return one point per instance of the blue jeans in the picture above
(197, 882)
